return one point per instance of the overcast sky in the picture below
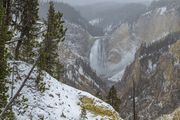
(85, 2)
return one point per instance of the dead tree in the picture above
(134, 101)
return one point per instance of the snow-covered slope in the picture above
(57, 102)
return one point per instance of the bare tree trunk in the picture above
(12, 84)
(134, 102)
(18, 47)
(20, 39)
(8, 12)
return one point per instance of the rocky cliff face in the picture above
(78, 40)
(156, 71)
(157, 23)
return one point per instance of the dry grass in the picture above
(89, 105)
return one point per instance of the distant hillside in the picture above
(92, 11)
(161, 3)
(70, 15)
(112, 14)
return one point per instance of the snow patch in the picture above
(151, 66)
(147, 13)
(95, 21)
(162, 10)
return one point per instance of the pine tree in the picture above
(83, 114)
(113, 99)
(55, 33)
(99, 95)
(40, 84)
(59, 71)
(28, 11)
(4, 37)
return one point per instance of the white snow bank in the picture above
(57, 102)
(162, 10)
(95, 21)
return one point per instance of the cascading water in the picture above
(98, 57)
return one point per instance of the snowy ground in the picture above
(95, 21)
(57, 102)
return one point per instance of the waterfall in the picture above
(100, 59)
(98, 56)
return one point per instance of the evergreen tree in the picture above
(4, 37)
(113, 99)
(40, 84)
(28, 11)
(49, 59)
(59, 71)
(99, 95)
(83, 114)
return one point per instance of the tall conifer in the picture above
(55, 34)
(28, 10)
(113, 99)
(4, 37)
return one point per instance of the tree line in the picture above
(19, 19)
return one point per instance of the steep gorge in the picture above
(122, 44)
(146, 52)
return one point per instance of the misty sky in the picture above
(85, 2)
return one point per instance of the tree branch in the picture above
(23, 38)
